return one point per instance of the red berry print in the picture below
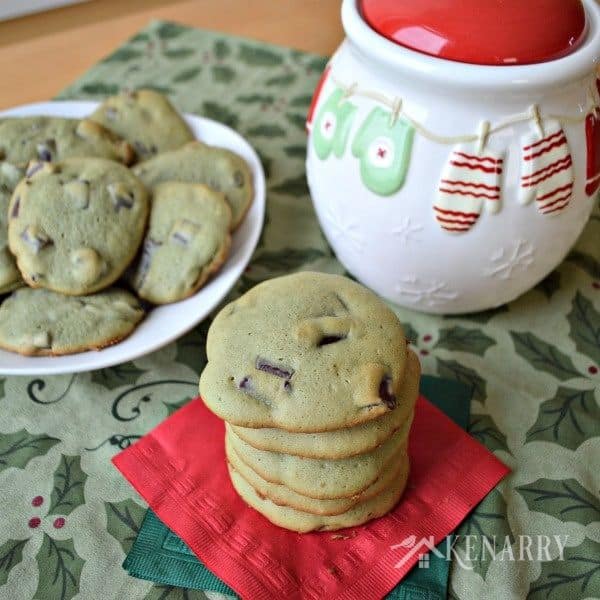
(34, 522)
(424, 352)
(59, 523)
(596, 285)
(592, 370)
(427, 338)
(37, 501)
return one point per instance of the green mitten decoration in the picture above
(332, 127)
(384, 151)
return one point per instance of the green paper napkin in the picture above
(159, 555)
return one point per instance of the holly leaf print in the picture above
(97, 88)
(295, 186)
(221, 49)
(258, 57)
(117, 376)
(584, 323)
(318, 63)
(410, 332)
(139, 37)
(187, 74)
(295, 151)
(2, 381)
(549, 284)
(568, 419)
(301, 101)
(123, 520)
(178, 53)
(461, 339)
(454, 370)
(564, 499)
(543, 356)
(69, 483)
(59, 568)
(123, 54)
(586, 262)
(287, 259)
(222, 74)
(168, 31)
(191, 348)
(17, 449)
(488, 525)
(255, 99)
(269, 130)
(174, 406)
(298, 121)
(11, 554)
(161, 89)
(282, 80)
(483, 429)
(220, 112)
(168, 592)
(577, 576)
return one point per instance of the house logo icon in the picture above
(422, 547)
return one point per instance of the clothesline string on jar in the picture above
(486, 129)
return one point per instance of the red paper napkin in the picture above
(179, 469)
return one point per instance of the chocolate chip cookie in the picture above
(343, 443)
(308, 352)
(285, 496)
(10, 278)
(187, 241)
(146, 119)
(323, 478)
(55, 138)
(220, 169)
(41, 322)
(296, 520)
(75, 226)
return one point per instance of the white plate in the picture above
(164, 323)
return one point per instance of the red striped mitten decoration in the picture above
(468, 180)
(547, 170)
(592, 137)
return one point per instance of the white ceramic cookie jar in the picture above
(454, 146)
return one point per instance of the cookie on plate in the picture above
(187, 241)
(303, 522)
(44, 323)
(75, 226)
(146, 119)
(284, 496)
(10, 278)
(343, 443)
(308, 352)
(196, 162)
(322, 478)
(55, 138)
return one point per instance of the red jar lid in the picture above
(484, 32)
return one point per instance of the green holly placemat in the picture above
(68, 518)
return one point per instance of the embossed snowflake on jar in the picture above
(454, 145)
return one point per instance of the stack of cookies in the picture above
(312, 374)
(75, 220)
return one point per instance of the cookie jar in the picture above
(454, 146)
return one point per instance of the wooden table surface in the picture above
(40, 54)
